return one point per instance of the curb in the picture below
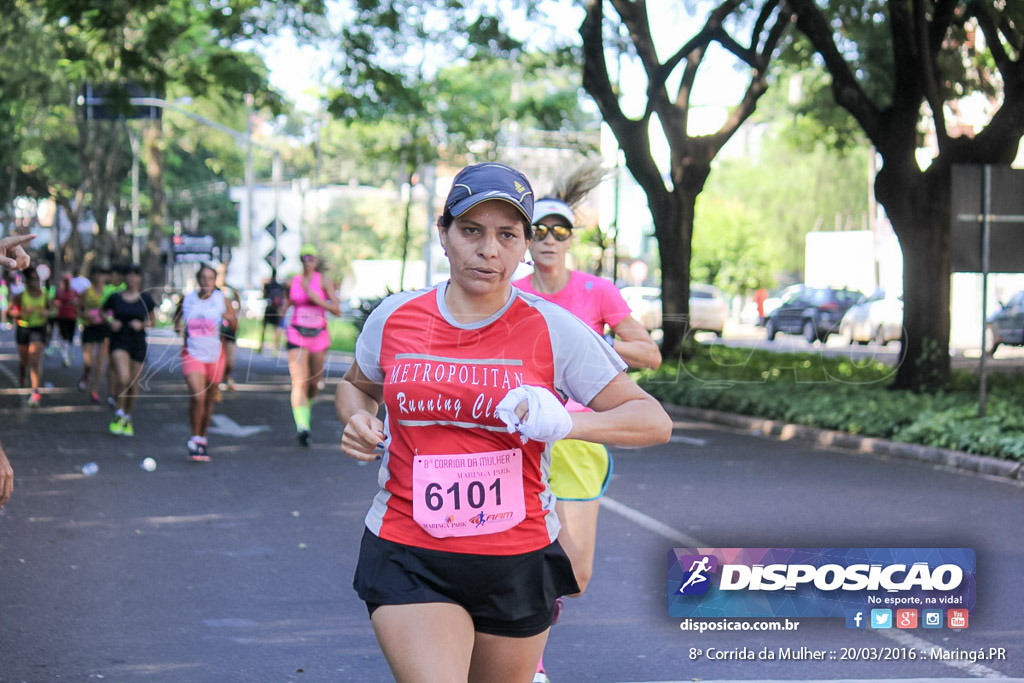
(996, 467)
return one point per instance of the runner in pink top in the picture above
(460, 565)
(312, 297)
(200, 316)
(580, 471)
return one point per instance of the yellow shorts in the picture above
(580, 470)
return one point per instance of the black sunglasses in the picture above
(561, 233)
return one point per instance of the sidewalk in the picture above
(996, 467)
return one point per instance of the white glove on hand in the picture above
(546, 420)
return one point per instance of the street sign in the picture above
(112, 102)
(192, 248)
(1005, 213)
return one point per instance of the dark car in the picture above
(1006, 326)
(813, 312)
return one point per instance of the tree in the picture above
(154, 45)
(452, 80)
(782, 193)
(901, 68)
(729, 250)
(672, 192)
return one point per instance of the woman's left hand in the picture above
(363, 438)
(535, 413)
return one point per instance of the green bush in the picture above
(846, 395)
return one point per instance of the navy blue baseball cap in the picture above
(481, 182)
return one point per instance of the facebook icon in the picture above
(855, 619)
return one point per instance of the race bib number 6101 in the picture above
(468, 495)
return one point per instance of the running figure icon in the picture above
(697, 571)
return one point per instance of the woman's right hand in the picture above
(363, 438)
(115, 325)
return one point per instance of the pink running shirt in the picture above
(592, 299)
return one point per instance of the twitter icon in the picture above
(881, 618)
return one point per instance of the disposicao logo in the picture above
(697, 581)
(818, 582)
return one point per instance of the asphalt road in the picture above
(240, 570)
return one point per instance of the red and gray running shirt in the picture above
(442, 381)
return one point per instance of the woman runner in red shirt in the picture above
(460, 564)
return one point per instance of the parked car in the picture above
(813, 312)
(645, 303)
(1006, 326)
(773, 302)
(877, 318)
(708, 308)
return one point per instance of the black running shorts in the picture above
(94, 334)
(506, 595)
(24, 336)
(134, 344)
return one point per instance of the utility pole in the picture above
(247, 231)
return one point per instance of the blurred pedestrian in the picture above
(95, 334)
(67, 318)
(129, 313)
(32, 308)
(312, 297)
(5, 302)
(229, 334)
(760, 296)
(201, 316)
(115, 283)
(6, 478)
(273, 295)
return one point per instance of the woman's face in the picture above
(206, 280)
(549, 252)
(133, 280)
(309, 262)
(484, 246)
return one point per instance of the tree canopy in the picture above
(904, 71)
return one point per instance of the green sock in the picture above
(301, 414)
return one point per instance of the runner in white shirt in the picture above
(200, 316)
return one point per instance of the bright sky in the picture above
(299, 71)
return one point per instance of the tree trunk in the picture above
(72, 253)
(673, 225)
(918, 205)
(152, 257)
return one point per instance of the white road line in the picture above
(10, 375)
(687, 440)
(652, 524)
(904, 638)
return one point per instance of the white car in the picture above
(708, 308)
(877, 318)
(645, 303)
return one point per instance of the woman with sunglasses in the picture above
(308, 338)
(459, 564)
(580, 471)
